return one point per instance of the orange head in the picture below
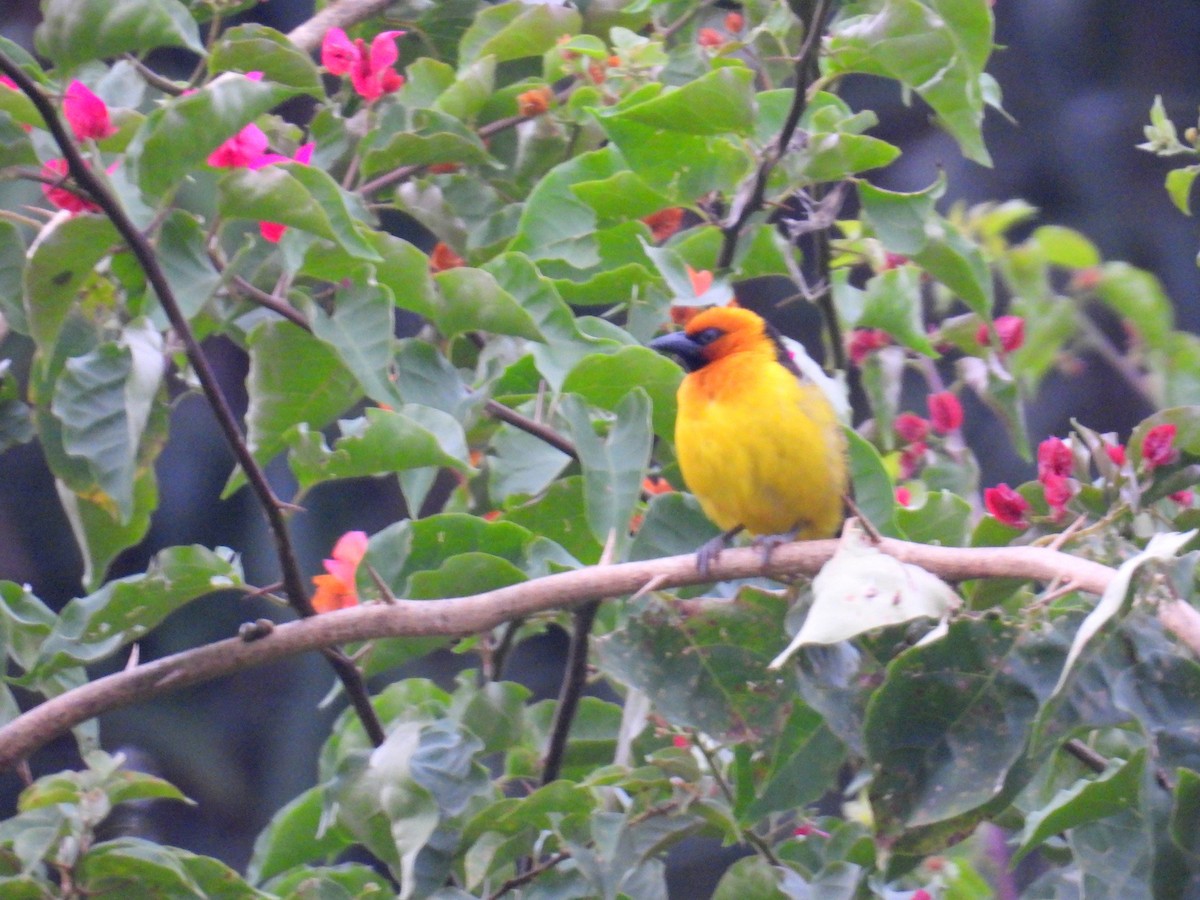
(719, 332)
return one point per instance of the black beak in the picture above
(680, 345)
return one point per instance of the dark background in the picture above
(1078, 77)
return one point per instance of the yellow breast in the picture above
(760, 448)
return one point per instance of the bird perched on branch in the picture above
(759, 445)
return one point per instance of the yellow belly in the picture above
(762, 450)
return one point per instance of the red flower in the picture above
(1183, 498)
(912, 459)
(911, 428)
(370, 71)
(710, 37)
(337, 587)
(893, 260)
(945, 412)
(1006, 505)
(664, 223)
(863, 341)
(1054, 457)
(86, 113)
(655, 484)
(681, 741)
(442, 258)
(1057, 491)
(1116, 452)
(1158, 447)
(60, 196)
(1011, 330)
(903, 496)
(734, 22)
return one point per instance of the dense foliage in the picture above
(570, 180)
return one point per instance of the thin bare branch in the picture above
(343, 14)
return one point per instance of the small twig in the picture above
(1086, 755)
(574, 679)
(528, 876)
(669, 30)
(498, 410)
(152, 78)
(761, 846)
(755, 192)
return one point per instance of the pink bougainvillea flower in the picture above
(863, 341)
(86, 113)
(1054, 457)
(337, 586)
(1011, 330)
(370, 71)
(60, 196)
(1057, 490)
(945, 412)
(1006, 505)
(1115, 452)
(1158, 447)
(241, 150)
(903, 496)
(1183, 498)
(911, 428)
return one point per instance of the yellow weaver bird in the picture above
(759, 445)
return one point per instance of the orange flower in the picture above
(336, 586)
(664, 223)
(709, 37)
(734, 22)
(535, 102)
(655, 484)
(596, 73)
(443, 258)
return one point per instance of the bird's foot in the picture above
(711, 549)
(765, 543)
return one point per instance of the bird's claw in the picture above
(765, 543)
(708, 553)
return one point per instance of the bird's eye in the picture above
(707, 336)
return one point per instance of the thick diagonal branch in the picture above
(293, 581)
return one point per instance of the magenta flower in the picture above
(370, 71)
(86, 113)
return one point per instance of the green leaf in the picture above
(613, 465)
(94, 627)
(674, 525)
(381, 442)
(1119, 593)
(944, 519)
(294, 837)
(950, 720)
(1065, 247)
(803, 762)
(754, 877)
(179, 136)
(515, 30)
(1137, 296)
(360, 331)
(908, 224)
(873, 492)
(938, 48)
(74, 31)
(183, 255)
(892, 303)
(295, 195)
(256, 48)
(430, 137)
(1115, 789)
(605, 380)
(521, 464)
(1179, 187)
(558, 514)
(472, 300)
(725, 95)
(103, 400)
(293, 378)
(702, 667)
(347, 881)
(60, 264)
